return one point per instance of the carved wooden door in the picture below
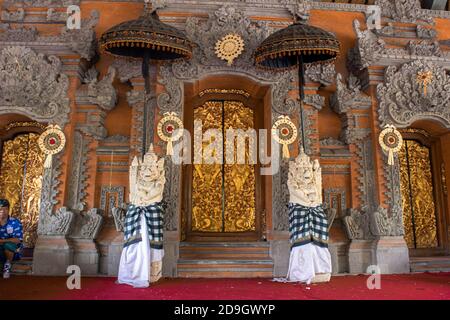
(21, 181)
(223, 195)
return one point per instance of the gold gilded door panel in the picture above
(207, 197)
(239, 182)
(21, 181)
(223, 195)
(419, 208)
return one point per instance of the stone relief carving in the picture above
(119, 214)
(78, 172)
(349, 97)
(127, 69)
(331, 197)
(81, 41)
(383, 224)
(17, 15)
(40, 3)
(58, 224)
(367, 50)
(173, 173)
(330, 141)
(108, 201)
(55, 16)
(86, 225)
(357, 224)
(117, 138)
(280, 198)
(299, 9)
(50, 183)
(101, 93)
(34, 85)
(403, 100)
(424, 48)
(403, 10)
(322, 73)
(204, 61)
(393, 224)
(315, 100)
(18, 34)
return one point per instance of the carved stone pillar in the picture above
(391, 254)
(53, 253)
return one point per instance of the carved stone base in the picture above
(52, 255)
(110, 251)
(339, 257)
(171, 253)
(280, 251)
(86, 256)
(359, 256)
(391, 255)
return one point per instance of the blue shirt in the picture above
(12, 229)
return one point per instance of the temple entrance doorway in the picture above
(224, 201)
(21, 169)
(423, 195)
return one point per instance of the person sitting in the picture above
(11, 237)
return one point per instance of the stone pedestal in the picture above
(280, 251)
(171, 254)
(52, 255)
(339, 257)
(86, 256)
(359, 256)
(391, 255)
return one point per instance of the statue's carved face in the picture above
(152, 171)
(149, 172)
(306, 173)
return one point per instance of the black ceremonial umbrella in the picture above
(147, 38)
(296, 45)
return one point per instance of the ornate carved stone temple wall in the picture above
(54, 75)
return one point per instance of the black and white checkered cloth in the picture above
(154, 217)
(307, 224)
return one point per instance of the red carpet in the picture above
(434, 286)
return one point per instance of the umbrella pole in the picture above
(301, 81)
(146, 75)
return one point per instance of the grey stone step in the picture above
(225, 244)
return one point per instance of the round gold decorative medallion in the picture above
(51, 142)
(391, 141)
(169, 129)
(230, 47)
(284, 132)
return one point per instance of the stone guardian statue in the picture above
(141, 259)
(310, 260)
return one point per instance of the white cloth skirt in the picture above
(307, 261)
(136, 261)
